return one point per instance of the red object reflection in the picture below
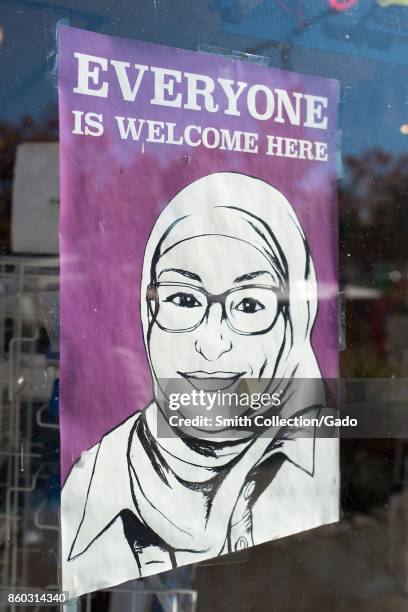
(342, 5)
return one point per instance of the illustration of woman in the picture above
(229, 299)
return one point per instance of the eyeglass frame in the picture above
(218, 298)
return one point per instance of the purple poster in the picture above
(199, 316)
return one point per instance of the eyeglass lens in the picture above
(248, 309)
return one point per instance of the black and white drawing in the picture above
(229, 294)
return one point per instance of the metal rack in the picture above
(29, 446)
(26, 379)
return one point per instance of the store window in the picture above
(303, 106)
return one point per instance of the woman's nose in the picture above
(213, 340)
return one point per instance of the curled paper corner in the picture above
(84, 458)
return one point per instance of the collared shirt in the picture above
(104, 539)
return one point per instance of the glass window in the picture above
(359, 563)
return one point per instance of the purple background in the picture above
(111, 194)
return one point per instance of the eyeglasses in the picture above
(179, 307)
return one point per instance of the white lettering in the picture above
(93, 124)
(284, 102)
(314, 112)
(77, 122)
(155, 131)
(214, 141)
(128, 93)
(205, 91)
(131, 128)
(274, 145)
(86, 75)
(187, 135)
(305, 149)
(232, 96)
(321, 151)
(170, 135)
(250, 141)
(269, 99)
(163, 86)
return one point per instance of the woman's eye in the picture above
(249, 305)
(184, 300)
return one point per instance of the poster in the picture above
(198, 239)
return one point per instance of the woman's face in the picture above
(214, 352)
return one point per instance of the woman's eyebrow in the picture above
(251, 275)
(186, 273)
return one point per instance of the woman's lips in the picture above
(211, 381)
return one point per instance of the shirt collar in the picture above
(109, 491)
(297, 442)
